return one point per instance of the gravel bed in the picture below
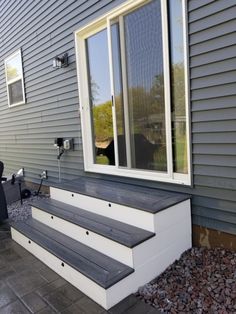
(17, 212)
(201, 281)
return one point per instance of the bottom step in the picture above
(98, 267)
(109, 284)
(92, 272)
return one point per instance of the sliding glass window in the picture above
(133, 96)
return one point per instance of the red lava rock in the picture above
(201, 281)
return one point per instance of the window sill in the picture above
(17, 104)
(178, 178)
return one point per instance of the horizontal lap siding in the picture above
(42, 29)
(212, 39)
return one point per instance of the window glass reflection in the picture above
(13, 67)
(176, 42)
(144, 62)
(15, 92)
(100, 98)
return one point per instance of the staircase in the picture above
(106, 238)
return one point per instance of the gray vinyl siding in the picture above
(212, 29)
(44, 29)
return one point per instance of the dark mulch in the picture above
(201, 281)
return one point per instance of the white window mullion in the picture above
(86, 123)
(16, 79)
(112, 93)
(125, 92)
(167, 87)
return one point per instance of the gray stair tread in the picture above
(98, 267)
(122, 233)
(143, 198)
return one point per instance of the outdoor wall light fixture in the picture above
(60, 62)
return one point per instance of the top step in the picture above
(143, 198)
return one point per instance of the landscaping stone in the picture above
(201, 281)
(18, 211)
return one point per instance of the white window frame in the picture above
(83, 85)
(20, 77)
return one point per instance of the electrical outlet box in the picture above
(68, 144)
(44, 174)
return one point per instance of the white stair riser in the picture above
(162, 240)
(172, 215)
(115, 211)
(110, 297)
(104, 245)
(170, 224)
(87, 286)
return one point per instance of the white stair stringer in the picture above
(169, 227)
(111, 296)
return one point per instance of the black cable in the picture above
(41, 182)
(21, 200)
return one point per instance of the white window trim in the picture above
(86, 127)
(20, 77)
